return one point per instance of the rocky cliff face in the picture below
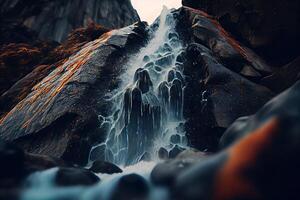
(54, 19)
(271, 27)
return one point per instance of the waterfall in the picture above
(146, 116)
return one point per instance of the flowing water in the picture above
(146, 118)
(146, 115)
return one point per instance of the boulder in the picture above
(216, 96)
(55, 114)
(130, 187)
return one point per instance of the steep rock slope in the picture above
(55, 118)
(55, 19)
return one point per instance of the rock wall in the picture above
(54, 19)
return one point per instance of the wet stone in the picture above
(163, 153)
(149, 65)
(173, 35)
(165, 61)
(146, 59)
(171, 75)
(175, 151)
(103, 167)
(175, 139)
(98, 153)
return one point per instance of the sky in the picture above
(149, 10)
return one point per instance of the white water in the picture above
(147, 107)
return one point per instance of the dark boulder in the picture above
(103, 167)
(75, 177)
(284, 105)
(130, 187)
(270, 30)
(175, 151)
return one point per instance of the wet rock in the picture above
(171, 75)
(176, 101)
(165, 61)
(175, 139)
(130, 187)
(103, 167)
(228, 96)
(98, 153)
(56, 109)
(75, 177)
(143, 79)
(163, 153)
(146, 59)
(175, 151)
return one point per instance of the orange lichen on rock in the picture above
(50, 86)
(233, 179)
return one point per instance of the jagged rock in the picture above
(56, 108)
(50, 57)
(268, 29)
(103, 167)
(207, 31)
(75, 177)
(130, 186)
(53, 20)
(228, 96)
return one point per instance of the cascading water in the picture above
(147, 107)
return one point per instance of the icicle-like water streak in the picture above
(147, 107)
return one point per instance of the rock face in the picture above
(268, 29)
(224, 80)
(23, 65)
(55, 114)
(54, 19)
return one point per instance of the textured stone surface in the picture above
(269, 26)
(55, 19)
(55, 114)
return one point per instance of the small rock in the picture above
(75, 177)
(163, 153)
(175, 151)
(103, 167)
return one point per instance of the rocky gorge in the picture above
(200, 104)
